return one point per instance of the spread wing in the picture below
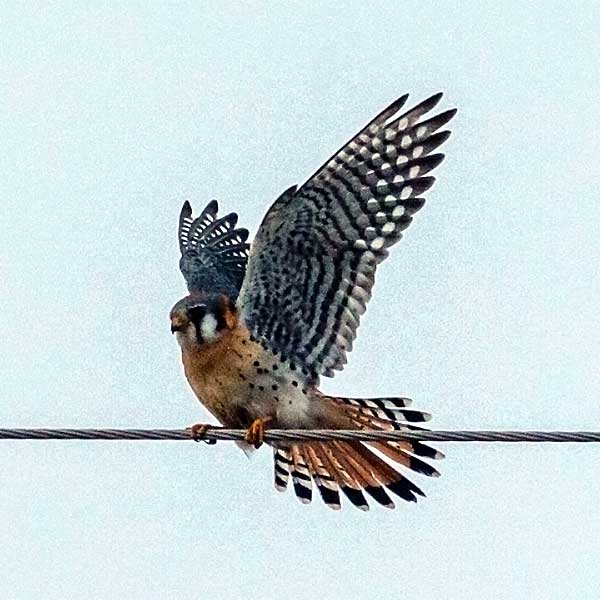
(214, 253)
(312, 264)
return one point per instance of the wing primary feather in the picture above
(214, 253)
(381, 117)
(220, 226)
(185, 223)
(434, 123)
(422, 108)
(312, 264)
(206, 217)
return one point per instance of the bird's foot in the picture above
(256, 432)
(198, 431)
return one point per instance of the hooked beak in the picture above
(175, 328)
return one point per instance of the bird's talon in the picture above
(198, 431)
(256, 433)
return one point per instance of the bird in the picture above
(263, 322)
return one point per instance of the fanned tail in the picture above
(354, 468)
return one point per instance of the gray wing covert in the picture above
(214, 253)
(312, 265)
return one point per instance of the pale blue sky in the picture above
(486, 313)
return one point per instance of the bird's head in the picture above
(198, 320)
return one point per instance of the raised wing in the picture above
(312, 264)
(214, 253)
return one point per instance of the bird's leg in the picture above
(198, 431)
(256, 432)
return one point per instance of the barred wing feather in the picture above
(214, 251)
(312, 265)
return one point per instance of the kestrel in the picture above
(263, 323)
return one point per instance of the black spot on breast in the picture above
(261, 388)
(295, 383)
(275, 367)
(251, 386)
(256, 363)
(274, 387)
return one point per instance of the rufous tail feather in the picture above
(357, 468)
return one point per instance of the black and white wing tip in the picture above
(209, 242)
(315, 255)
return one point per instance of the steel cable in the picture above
(288, 435)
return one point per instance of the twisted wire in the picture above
(290, 435)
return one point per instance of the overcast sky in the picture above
(486, 313)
